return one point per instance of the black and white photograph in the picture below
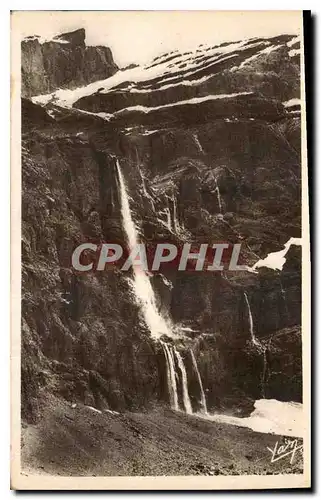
(161, 309)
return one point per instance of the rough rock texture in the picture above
(207, 170)
(159, 442)
(63, 62)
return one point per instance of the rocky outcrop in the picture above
(63, 62)
(211, 161)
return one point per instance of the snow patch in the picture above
(267, 50)
(194, 100)
(292, 102)
(162, 68)
(294, 52)
(150, 132)
(42, 39)
(270, 417)
(276, 260)
(93, 409)
(191, 67)
(112, 412)
(293, 41)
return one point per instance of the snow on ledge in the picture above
(194, 100)
(276, 260)
(42, 39)
(93, 409)
(293, 41)
(163, 69)
(294, 52)
(292, 102)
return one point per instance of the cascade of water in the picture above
(175, 219)
(217, 190)
(146, 298)
(253, 337)
(186, 399)
(198, 144)
(203, 398)
(142, 287)
(171, 376)
(169, 220)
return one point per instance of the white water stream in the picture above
(186, 399)
(203, 399)
(143, 289)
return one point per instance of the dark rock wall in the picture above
(83, 337)
(54, 64)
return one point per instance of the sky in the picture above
(139, 36)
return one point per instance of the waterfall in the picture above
(203, 399)
(186, 399)
(171, 376)
(217, 191)
(169, 352)
(142, 287)
(253, 337)
(146, 299)
(198, 144)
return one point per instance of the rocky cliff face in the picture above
(63, 62)
(209, 145)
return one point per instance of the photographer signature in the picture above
(288, 448)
